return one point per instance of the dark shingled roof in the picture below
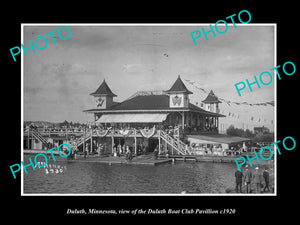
(150, 102)
(103, 89)
(211, 98)
(144, 102)
(179, 86)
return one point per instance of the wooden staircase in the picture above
(84, 138)
(37, 135)
(175, 143)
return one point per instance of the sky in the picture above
(59, 79)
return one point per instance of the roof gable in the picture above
(211, 98)
(103, 89)
(179, 86)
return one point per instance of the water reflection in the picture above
(98, 178)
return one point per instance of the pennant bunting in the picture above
(271, 103)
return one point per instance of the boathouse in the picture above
(155, 119)
(163, 120)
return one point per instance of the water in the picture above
(99, 178)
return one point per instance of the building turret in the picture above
(104, 96)
(178, 95)
(212, 102)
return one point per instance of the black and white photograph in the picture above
(149, 109)
(150, 113)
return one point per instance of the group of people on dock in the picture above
(248, 177)
(123, 150)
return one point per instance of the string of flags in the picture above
(252, 118)
(228, 102)
(237, 114)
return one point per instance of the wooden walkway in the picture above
(146, 159)
(139, 160)
(34, 151)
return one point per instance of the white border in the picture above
(148, 24)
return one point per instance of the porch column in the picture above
(182, 121)
(166, 147)
(172, 147)
(84, 139)
(159, 142)
(28, 145)
(91, 141)
(112, 144)
(135, 149)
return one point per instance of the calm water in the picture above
(98, 178)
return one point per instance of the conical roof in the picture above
(103, 89)
(211, 98)
(179, 87)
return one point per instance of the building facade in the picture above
(150, 120)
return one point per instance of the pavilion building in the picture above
(165, 120)
(155, 119)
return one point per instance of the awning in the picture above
(133, 118)
(216, 139)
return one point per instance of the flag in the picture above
(229, 102)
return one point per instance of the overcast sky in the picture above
(59, 79)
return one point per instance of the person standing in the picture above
(99, 149)
(119, 150)
(238, 181)
(257, 180)
(75, 153)
(247, 179)
(127, 153)
(86, 150)
(155, 153)
(266, 177)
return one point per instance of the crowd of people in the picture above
(122, 150)
(249, 178)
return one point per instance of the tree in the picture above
(260, 137)
(238, 132)
(248, 133)
(234, 131)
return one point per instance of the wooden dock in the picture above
(210, 158)
(145, 159)
(200, 158)
(37, 151)
(139, 160)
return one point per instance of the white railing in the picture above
(85, 137)
(38, 136)
(177, 144)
